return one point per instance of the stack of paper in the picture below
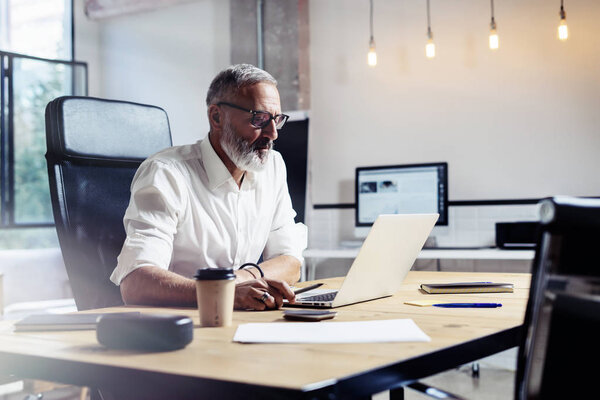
(393, 330)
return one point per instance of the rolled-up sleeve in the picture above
(286, 237)
(158, 196)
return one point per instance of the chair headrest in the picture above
(563, 212)
(92, 128)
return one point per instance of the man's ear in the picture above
(214, 116)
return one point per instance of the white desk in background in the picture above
(312, 255)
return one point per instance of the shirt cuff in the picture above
(290, 240)
(141, 251)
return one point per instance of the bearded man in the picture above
(221, 202)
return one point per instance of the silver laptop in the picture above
(386, 256)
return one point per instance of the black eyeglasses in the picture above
(260, 119)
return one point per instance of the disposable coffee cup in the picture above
(215, 290)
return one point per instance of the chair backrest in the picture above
(562, 321)
(94, 147)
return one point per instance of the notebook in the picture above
(386, 256)
(62, 322)
(467, 287)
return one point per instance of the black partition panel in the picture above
(292, 143)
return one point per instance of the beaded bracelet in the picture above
(262, 274)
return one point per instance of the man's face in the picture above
(246, 146)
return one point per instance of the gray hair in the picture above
(230, 80)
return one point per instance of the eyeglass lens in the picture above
(262, 119)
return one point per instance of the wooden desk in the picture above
(212, 366)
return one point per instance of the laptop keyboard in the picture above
(321, 297)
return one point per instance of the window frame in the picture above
(7, 161)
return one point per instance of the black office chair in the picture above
(562, 320)
(94, 147)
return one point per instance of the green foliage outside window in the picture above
(38, 86)
(35, 84)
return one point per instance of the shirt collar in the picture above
(216, 171)
(249, 178)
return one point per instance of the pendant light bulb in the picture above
(372, 55)
(430, 46)
(563, 30)
(493, 34)
(493, 37)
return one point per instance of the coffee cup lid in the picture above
(214, 274)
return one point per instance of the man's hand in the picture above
(248, 294)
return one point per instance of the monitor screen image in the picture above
(401, 189)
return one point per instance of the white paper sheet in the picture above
(393, 330)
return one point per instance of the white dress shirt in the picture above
(187, 212)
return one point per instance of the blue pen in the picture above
(468, 305)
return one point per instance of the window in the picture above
(40, 28)
(36, 67)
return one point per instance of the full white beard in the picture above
(242, 153)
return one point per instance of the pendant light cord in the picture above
(428, 21)
(371, 21)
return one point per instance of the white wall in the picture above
(521, 122)
(32, 275)
(165, 57)
(87, 39)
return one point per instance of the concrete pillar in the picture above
(285, 45)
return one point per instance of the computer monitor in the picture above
(401, 189)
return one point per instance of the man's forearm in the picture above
(286, 268)
(156, 286)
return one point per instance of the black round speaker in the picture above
(146, 332)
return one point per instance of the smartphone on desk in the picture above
(308, 315)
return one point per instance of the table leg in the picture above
(397, 394)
